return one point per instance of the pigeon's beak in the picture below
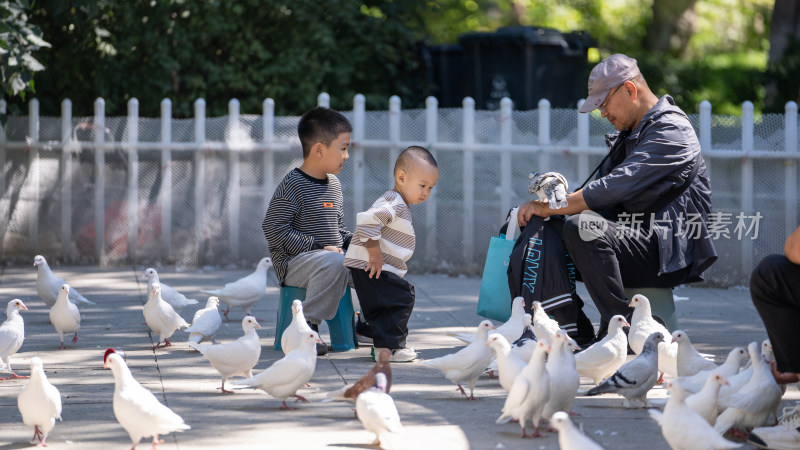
(105, 364)
(35, 264)
(25, 308)
(494, 327)
(627, 324)
(672, 341)
(319, 341)
(578, 347)
(257, 325)
(630, 305)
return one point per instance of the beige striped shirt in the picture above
(388, 220)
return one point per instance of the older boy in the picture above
(304, 222)
(381, 245)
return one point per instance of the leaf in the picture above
(31, 63)
(36, 40)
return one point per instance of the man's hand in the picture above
(530, 209)
(332, 248)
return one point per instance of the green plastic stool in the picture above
(662, 304)
(342, 327)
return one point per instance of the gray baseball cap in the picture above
(606, 75)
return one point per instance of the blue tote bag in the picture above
(494, 299)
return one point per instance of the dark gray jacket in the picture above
(659, 156)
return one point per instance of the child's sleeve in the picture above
(279, 232)
(370, 222)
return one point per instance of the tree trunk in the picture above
(672, 26)
(784, 42)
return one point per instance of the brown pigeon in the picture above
(350, 392)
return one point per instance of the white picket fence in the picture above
(494, 149)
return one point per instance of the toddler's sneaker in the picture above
(406, 354)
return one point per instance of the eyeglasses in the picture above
(602, 106)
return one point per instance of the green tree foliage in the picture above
(289, 51)
(19, 39)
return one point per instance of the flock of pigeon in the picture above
(534, 360)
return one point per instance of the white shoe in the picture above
(406, 354)
(778, 437)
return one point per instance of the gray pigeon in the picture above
(636, 377)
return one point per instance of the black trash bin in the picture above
(526, 64)
(446, 74)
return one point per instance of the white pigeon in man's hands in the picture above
(39, 403)
(467, 364)
(206, 322)
(160, 316)
(377, 412)
(636, 377)
(569, 437)
(285, 376)
(170, 295)
(236, 358)
(603, 358)
(12, 334)
(136, 408)
(550, 187)
(293, 334)
(244, 292)
(48, 284)
(64, 316)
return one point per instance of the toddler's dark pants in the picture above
(386, 303)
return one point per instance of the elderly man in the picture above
(642, 221)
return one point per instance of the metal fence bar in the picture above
(268, 139)
(34, 175)
(200, 176)
(506, 125)
(394, 133)
(357, 151)
(431, 137)
(165, 194)
(66, 176)
(747, 179)
(705, 133)
(234, 179)
(99, 180)
(790, 147)
(582, 141)
(544, 134)
(469, 178)
(132, 136)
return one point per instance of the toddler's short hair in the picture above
(321, 125)
(407, 157)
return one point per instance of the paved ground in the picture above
(433, 413)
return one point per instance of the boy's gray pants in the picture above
(324, 277)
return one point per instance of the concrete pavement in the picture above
(433, 413)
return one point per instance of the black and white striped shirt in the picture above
(305, 214)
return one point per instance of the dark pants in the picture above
(386, 302)
(775, 288)
(613, 258)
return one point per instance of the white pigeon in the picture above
(376, 410)
(750, 406)
(169, 294)
(512, 329)
(603, 358)
(467, 364)
(644, 325)
(285, 376)
(530, 392)
(689, 361)
(737, 381)
(206, 322)
(569, 437)
(543, 326)
(39, 403)
(293, 334)
(12, 333)
(550, 187)
(236, 358)
(48, 284)
(683, 428)
(636, 377)
(64, 316)
(522, 348)
(564, 377)
(705, 401)
(137, 409)
(160, 316)
(729, 368)
(509, 365)
(244, 292)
